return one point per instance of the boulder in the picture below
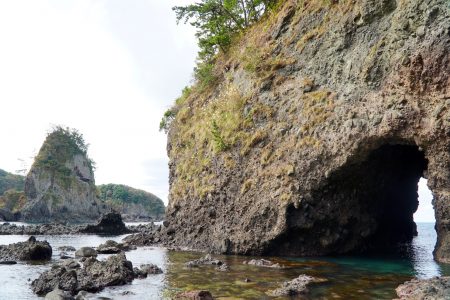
(437, 288)
(58, 294)
(92, 277)
(151, 269)
(109, 247)
(86, 252)
(110, 223)
(295, 287)
(26, 251)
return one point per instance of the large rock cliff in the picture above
(60, 185)
(322, 119)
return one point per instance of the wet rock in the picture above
(110, 223)
(86, 252)
(8, 262)
(195, 295)
(205, 260)
(263, 263)
(58, 294)
(223, 267)
(296, 286)
(29, 250)
(71, 264)
(66, 248)
(109, 247)
(113, 247)
(63, 255)
(437, 288)
(93, 277)
(151, 269)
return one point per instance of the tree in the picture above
(218, 20)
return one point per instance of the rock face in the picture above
(26, 251)
(437, 288)
(60, 185)
(325, 117)
(93, 277)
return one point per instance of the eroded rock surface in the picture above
(92, 277)
(328, 113)
(437, 288)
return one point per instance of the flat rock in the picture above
(263, 263)
(109, 247)
(437, 288)
(296, 286)
(205, 260)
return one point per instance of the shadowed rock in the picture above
(29, 250)
(110, 223)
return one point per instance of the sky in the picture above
(109, 68)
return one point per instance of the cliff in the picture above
(312, 138)
(132, 204)
(60, 185)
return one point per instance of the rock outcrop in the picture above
(313, 137)
(110, 223)
(437, 288)
(60, 185)
(26, 251)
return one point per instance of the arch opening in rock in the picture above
(366, 206)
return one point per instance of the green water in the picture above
(347, 277)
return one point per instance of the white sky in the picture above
(108, 68)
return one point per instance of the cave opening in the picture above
(365, 207)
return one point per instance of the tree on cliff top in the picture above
(218, 20)
(61, 145)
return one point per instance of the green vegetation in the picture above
(119, 196)
(60, 146)
(10, 181)
(218, 21)
(13, 200)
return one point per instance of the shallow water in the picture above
(348, 277)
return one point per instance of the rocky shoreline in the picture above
(111, 223)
